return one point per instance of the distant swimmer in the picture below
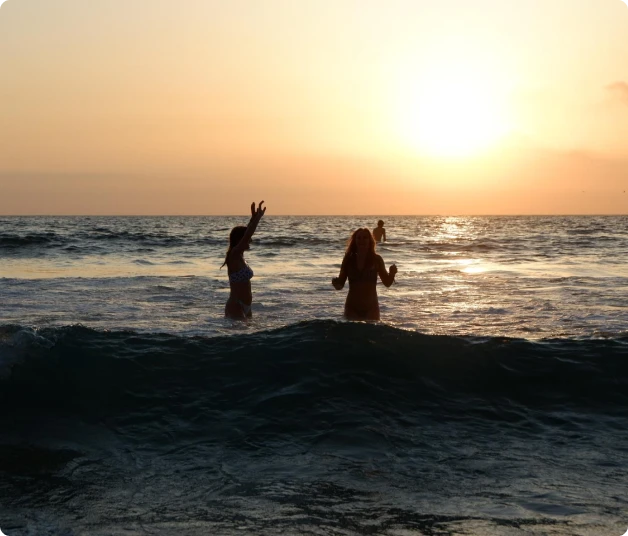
(379, 233)
(361, 265)
(240, 298)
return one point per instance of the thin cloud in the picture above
(620, 89)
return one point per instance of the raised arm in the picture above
(256, 216)
(387, 277)
(339, 282)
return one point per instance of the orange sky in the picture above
(326, 107)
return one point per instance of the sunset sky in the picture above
(316, 106)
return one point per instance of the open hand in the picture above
(259, 212)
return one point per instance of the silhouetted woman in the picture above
(239, 303)
(361, 265)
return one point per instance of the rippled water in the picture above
(491, 400)
(530, 277)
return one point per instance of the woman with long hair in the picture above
(238, 305)
(361, 265)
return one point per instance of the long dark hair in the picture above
(236, 234)
(352, 246)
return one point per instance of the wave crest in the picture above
(295, 367)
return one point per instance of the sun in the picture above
(451, 111)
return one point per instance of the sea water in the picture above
(492, 398)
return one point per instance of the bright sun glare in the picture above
(451, 111)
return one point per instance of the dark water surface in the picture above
(491, 400)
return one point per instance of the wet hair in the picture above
(380, 223)
(352, 246)
(236, 234)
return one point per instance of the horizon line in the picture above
(41, 215)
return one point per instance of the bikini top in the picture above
(241, 276)
(366, 275)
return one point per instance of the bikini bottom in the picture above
(362, 313)
(246, 309)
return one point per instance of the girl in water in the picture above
(361, 265)
(239, 303)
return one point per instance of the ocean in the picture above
(491, 399)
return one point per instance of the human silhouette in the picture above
(361, 265)
(379, 233)
(238, 305)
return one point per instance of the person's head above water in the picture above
(361, 241)
(236, 234)
(380, 223)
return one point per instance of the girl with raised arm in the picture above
(240, 298)
(361, 265)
